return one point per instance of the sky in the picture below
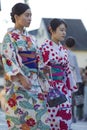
(73, 9)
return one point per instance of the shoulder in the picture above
(47, 43)
(7, 37)
(63, 47)
(33, 38)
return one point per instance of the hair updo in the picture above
(54, 23)
(18, 9)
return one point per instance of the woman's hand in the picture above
(2, 99)
(22, 80)
(46, 69)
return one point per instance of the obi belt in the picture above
(29, 59)
(56, 73)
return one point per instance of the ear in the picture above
(50, 29)
(16, 17)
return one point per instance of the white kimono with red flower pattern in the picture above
(56, 55)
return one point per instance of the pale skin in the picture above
(22, 21)
(59, 34)
(2, 99)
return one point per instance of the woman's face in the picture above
(60, 33)
(24, 19)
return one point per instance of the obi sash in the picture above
(57, 72)
(29, 59)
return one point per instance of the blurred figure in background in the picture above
(85, 93)
(70, 44)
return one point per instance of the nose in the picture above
(64, 33)
(29, 17)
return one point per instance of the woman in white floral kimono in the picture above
(55, 59)
(25, 107)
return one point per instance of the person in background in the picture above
(70, 45)
(85, 94)
(55, 57)
(25, 106)
(2, 89)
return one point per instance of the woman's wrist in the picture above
(19, 75)
(16, 77)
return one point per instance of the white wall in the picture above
(81, 58)
(42, 34)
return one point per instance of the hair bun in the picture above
(18, 9)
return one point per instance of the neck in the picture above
(19, 28)
(56, 41)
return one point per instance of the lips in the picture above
(29, 22)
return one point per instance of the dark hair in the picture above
(18, 9)
(70, 41)
(54, 23)
(86, 67)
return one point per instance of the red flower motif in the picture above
(50, 43)
(15, 36)
(8, 122)
(40, 96)
(8, 62)
(46, 40)
(60, 59)
(68, 84)
(12, 102)
(28, 39)
(40, 48)
(64, 114)
(38, 58)
(63, 125)
(31, 122)
(45, 56)
(64, 89)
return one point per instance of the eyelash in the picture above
(28, 15)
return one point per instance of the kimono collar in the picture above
(18, 31)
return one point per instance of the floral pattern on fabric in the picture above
(56, 57)
(25, 110)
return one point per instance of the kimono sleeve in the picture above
(70, 77)
(9, 59)
(41, 64)
(77, 71)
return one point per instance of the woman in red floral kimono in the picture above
(55, 59)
